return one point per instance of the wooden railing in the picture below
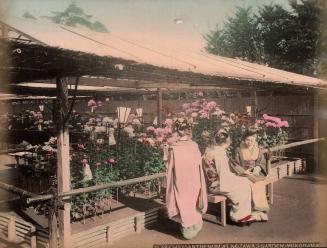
(97, 187)
(36, 198)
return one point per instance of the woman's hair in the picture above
(249, 132)
(182, 126)
(220, 137)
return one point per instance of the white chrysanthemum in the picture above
(88, 128)
(136, 122)
(100, 129)
(107, 120)
(130, 131)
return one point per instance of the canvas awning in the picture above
(71, 51)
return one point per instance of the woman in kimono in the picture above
(186, 196)
(223, 181)
(249, 161)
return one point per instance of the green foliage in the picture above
(99, 27)
(274, 36)
(204, 130)
(74, 16)
(271, 131)
(321, 52)
(271, 137)
(131, 159)
(29, 15)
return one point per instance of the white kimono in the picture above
(236, 188)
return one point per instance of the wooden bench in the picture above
(222, 200)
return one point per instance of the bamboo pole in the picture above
(16, 190)
(97, 187)
(6, 151)
(294, 144)
(159, 106)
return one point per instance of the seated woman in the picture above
(222, 181)
(249, 161)
(186, 196)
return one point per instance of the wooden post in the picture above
(159, 106)
(4, 31)
(109, 235)
(138, 225)
(316, 129)
(12, 229)
(255, 110)
(271, 193)
(223, 212)
(53, 229)
(63, 170)
(54, 109)
(33, 237)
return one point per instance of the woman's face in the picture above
(228, 142)
(250, 141)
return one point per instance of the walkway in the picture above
(296, 216)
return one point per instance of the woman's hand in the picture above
(247, 172)
(256, 170)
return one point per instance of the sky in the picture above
(146, 20)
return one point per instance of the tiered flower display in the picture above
(110, 151)
(28, 120)
(272, 131)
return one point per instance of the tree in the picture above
(283, 39)
(290, 38)
(74, 16)
(29, 15)
(237, 38)
(321, 52)
(277, 34)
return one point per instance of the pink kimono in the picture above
(186, 195)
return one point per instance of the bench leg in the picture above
(223, 212)
(271, 193)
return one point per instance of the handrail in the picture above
(146, 178)
(16, 190)
(97, 187)
(299, 143)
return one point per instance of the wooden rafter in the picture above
(17, 34)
